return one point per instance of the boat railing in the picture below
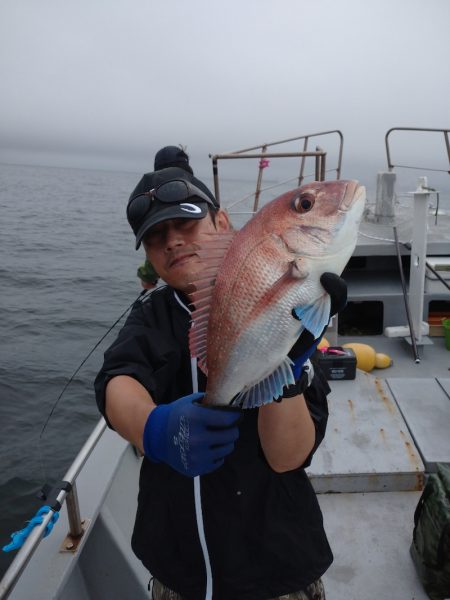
(68, 493)
(263, 152)
(392, 165)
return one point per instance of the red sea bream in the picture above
(243, 326)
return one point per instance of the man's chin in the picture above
(182, 279)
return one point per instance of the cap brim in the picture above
(164, 212)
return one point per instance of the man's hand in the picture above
(306, 345)
(336, 288)
(192, 438)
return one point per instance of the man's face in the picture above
(171, 247)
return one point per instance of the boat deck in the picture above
(386, 430)
(425, 406)
(368, 447)
(372, 462)
(370, 535)
(376, 237)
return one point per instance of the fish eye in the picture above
(304, 203)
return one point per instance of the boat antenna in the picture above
(405, 298)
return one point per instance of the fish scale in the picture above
(243, 326)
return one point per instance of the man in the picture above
(168, 156)
(148, 276)
(250, 527)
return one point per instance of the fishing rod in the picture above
(83, 362)
(405, 298)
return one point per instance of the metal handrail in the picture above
(294, 139)
(32, 542)
(391, 165)
(319, 154)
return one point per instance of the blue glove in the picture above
(192, 438)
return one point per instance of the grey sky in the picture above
(105, 83)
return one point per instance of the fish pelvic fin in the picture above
(315, 316)
(212, 252)
(266, 390)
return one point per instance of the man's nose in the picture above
(174, 236)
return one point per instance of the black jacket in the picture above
(263, 529)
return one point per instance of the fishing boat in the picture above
(387, 430)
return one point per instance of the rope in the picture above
(19, 537)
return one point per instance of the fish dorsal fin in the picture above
(315, 316)
(212, 252)
(267, 389)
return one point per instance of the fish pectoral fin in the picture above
(298, 268)
(315, 317)
(267, 389)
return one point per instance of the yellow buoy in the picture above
(365, 355)
(382, 360)
(367, 358)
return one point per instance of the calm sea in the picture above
(67, 272)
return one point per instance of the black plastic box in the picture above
(337, 362)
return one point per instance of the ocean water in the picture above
(67, 272)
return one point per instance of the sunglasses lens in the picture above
(172, 191)
(137, 209)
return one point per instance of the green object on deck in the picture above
(446, 326)
(430, 548)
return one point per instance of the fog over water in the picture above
(100, 84)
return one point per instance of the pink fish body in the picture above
(243, 326)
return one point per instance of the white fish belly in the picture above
(260, 349)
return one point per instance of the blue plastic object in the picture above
(19, 537)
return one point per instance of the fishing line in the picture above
(75, 373)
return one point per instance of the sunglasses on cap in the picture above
(170, 192)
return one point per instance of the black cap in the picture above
(193, 207)
(172, 156)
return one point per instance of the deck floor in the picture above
(383, 436)
(368, 447)
(370, 535)
(425, 406)
(434, 358)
